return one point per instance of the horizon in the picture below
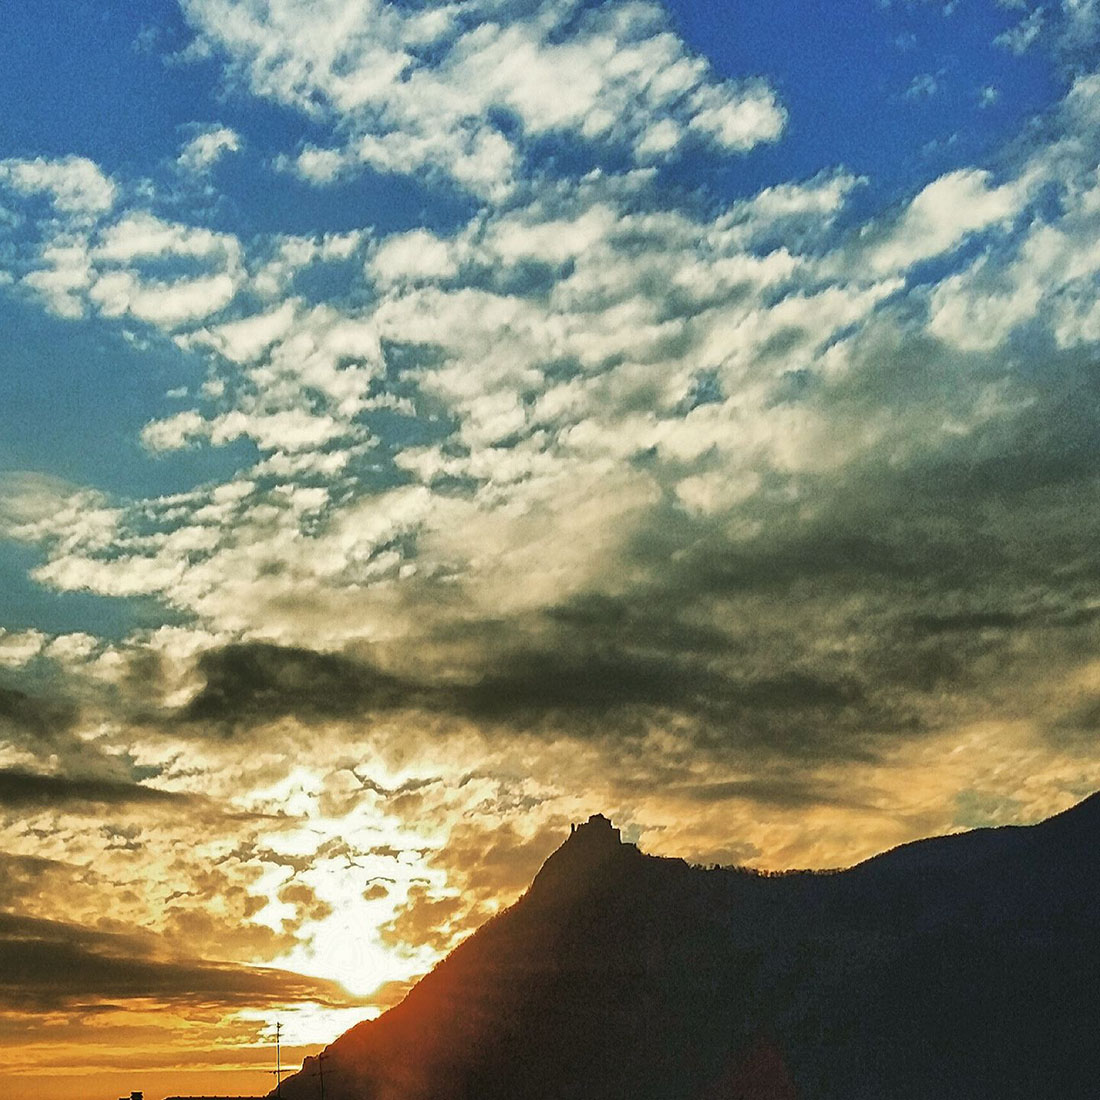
(422, 423)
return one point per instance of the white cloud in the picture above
(975, 321)
(71, 650)
(618, 74)
(738, 122)
(247, 339)
(18, 647)
(414, 256)
(1082, 104)
(943, 214)
(64, 277)
(75, 184)
(1020, 38)
(1082, 24)
(923, 86)
(165, 304)
(206, 148)
(141, 236)
(658, 140)
(319, 166)
(783, 206)
(292, 254)
(36, 508)
(1052, 273)
(174, 432)
(110, 271)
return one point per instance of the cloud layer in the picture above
(762, 521)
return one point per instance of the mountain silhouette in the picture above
(964, 967)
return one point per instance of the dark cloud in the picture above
(965, 622)
(43, 727)
(22, 789)
(50, 965)
(785, 791)
(257, 681)
(40, 718)
(1076, 727)
(610, 692)
(49, 729)
(645, 620)
(22, 875)
(563, 684)
(334, 848)
(410, 786)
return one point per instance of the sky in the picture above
(424, 424)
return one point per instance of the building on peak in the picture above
(597, 828)
(590, 847)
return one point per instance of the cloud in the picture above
(35, 730)
(75, 185)
(39, 718)
(255, 682)
(418, 91)
(122, 287)
(978, 308)
(22, 789)
(575, 683)
(54, 966)
(944, 213)
(1019, 38)
(19, 875)
(548, 360)
(142, 236)
(923, 86)
(1082, 25)
(164, 273)
(17, 647)
(207, 147)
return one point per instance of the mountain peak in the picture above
(596, 831)
(590, 847)
(632, 977)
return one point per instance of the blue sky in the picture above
(423, 424)
(893, 93)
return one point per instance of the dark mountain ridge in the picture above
(964, 967)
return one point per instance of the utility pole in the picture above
(278, 1060)
(321, 1071)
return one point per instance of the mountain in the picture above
(964, 967)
